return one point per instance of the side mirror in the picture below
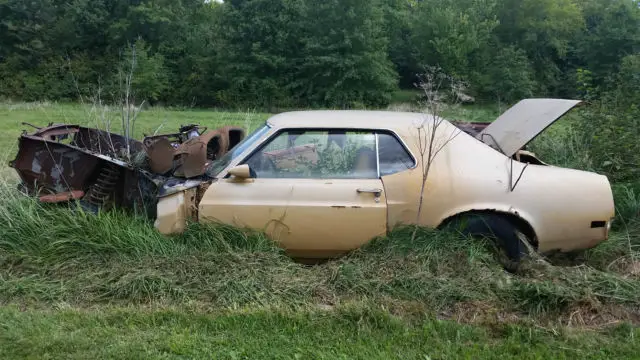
(241, 171)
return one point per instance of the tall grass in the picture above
(53, 254)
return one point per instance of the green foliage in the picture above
(612, 31)
(287, 53)
(506, 76)
(611, 124)
(544, 30)
(261, 40)
(627, 82)
(344, 59)
(584, 84)
(448, 33)
(612, 136)
(344, 331)
(302, 53)
(149, 78)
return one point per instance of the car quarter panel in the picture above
(560, 204)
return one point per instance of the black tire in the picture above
(507, 236)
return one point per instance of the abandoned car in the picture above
(321, 183)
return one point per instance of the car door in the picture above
(315, 192)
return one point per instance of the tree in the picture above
(259, 51)
(344, 61)
(544, 30)
(448, 33)
(432, 133)
(612, 32)
(145, 74)
(398, 18)
(503, 74)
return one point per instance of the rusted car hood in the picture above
(64, 162)
(519, 125)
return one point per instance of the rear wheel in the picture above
(507, 236)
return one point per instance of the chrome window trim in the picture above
(275, 131)
(377, 155)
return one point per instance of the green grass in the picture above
(74, 285)
(476, 113)
(406, 100)
(405, 96)
(344, 333)
(150, 120)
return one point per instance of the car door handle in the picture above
(376, 192)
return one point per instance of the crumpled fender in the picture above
(190, 159)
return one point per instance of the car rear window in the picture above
(393, 156)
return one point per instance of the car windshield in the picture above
(220, 164)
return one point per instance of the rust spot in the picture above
(63, 162)
(160, 154)
(62, 197)
(191, 155)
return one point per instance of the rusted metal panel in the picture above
(160, 153)
(62, 197)
(102, 142)
(190, 157)
(193, 154)
(50, 167)
(64, 162)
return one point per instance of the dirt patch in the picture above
(479, 312)
(583, 316)
(598, 316)
(625, 266)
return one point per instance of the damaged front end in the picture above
(61, 163)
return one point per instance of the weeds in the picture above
(56, 255)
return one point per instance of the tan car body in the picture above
(560, 209)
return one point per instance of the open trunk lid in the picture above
(519, 125)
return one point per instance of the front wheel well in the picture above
(515, 220)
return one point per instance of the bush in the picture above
(149, 76)
(627, 93)
(507, 76)
(611, 125)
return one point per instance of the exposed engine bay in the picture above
(475, 128)
(100, 169)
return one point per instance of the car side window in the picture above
(317, 154)
(393, 156)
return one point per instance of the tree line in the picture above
(309, 53)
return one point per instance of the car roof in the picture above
(348, 119)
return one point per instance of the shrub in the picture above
(506, 76)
